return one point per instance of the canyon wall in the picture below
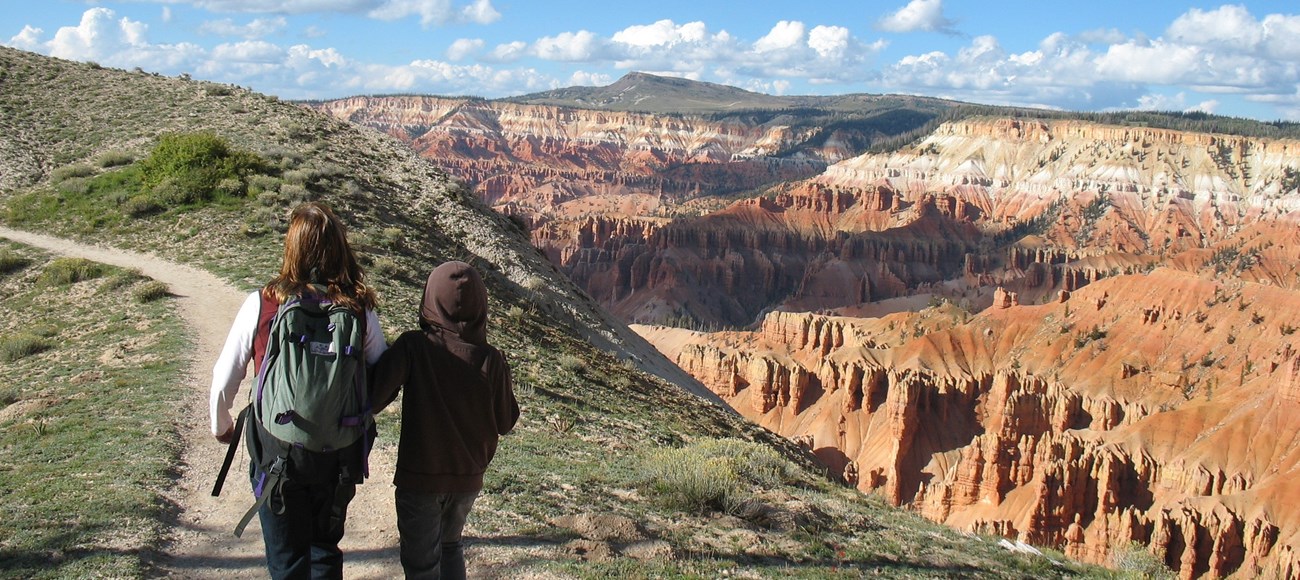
(545, 160)
(633, 206)
(1114, 362)
(1078, 335)
(1158, 408)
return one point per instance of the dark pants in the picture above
(303, 541)
(430, 526)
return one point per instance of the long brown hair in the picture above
(316, 250)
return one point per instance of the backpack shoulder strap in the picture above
(230, 450)
(269, 307)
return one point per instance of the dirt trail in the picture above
(202, 544)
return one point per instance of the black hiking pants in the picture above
(302, 542)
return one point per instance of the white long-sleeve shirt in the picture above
(232, 365)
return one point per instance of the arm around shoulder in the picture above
(390, 373)
(375, 344)
(506, 406)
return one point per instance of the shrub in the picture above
(757, 465)
(150, 291)
(385, 267)
(302, 176)
(23, 345)
(190, 167)
(1136, 559)
(688, 481)
(294, 194)
(71, 171)
(572, 364)
(518, 314)
(9, 395)
(712, 474)
(75, 186)
(120, 280)
(218, 90)
(12, 262)
(260, 221)
(63, 271)
(390, 238)
(142, 205)
(115, 159)
(261, 184)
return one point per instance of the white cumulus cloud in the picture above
(587, 79)
(252, 51)
(28, 39)
(661, 33)
(257, 28)
(829, 41)
(1281, 37)
(918, 15)
(1228, 26)
(437, 12)
(578, 46)
(1226, 50)
(480, 12)
(786, 34)
(463, 48)
(508, 52)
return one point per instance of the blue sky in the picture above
(1238, 59)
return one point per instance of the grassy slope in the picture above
(591, 412)
(87, 443)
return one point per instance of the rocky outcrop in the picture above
(725, 268)
(539, 157)
(1039, 206)
(1152, 408)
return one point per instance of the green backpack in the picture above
(311, 412)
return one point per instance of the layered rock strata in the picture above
(1158, 408)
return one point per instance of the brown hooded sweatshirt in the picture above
(458, 398)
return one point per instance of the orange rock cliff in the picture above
(1073, 334)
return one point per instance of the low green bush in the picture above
(120, 280)
(689, 481)
(713, 474)
(188, 168)
(71, 171)
(62, 271)
(1136, 559)
(12, 262)
(150, 291)
(572, 364)
(115, 159)
(20, 346)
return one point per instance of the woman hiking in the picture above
(302, 515)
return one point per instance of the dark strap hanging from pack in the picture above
(237, 434)
(269, 485)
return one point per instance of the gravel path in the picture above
(202, 544)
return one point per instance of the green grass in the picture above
(86, 447)
(150, 291)
(65, 271)
(183, 171)
(22, 345)
(12, 262)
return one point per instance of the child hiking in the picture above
(458, 401)
(311, 332)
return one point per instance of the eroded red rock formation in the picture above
(1077, 335)
(1084, 424)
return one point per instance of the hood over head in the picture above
(455, 300)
